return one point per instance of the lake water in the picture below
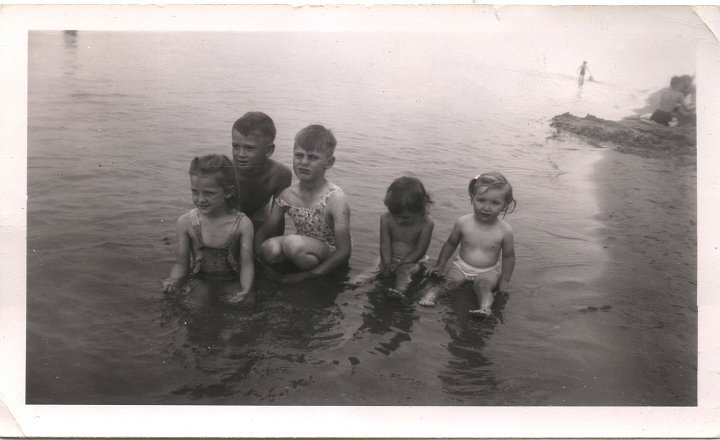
(114, 119)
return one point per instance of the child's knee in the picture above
(293, 246)
(271, 251)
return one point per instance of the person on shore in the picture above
(405, 232)
(483, 239)
(214, 240)
(318, 208)
(582, 70)
(259, 178)
(686, 113)
(671, 102)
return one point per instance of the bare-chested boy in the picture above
(259, 178)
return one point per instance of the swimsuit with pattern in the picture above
(311, 222)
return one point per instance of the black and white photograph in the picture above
(444, 211)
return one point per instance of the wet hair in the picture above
(493, 180)
(222, 168)
(316, 137)
(256, 123)
(407, 194)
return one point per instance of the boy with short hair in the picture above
(259, 179)
(318, 208)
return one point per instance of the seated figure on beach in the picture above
(671, 102)
(318, 208)
(483, 238)
(214, 240)
(259, 178)
(686, 113)
(405, 232)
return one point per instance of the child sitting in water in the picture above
(405, 231)
(318, 208)
(482, 237)
(215, 238)
(672, 100)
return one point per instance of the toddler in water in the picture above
(405, 231)
(483, 238)
(318, 208)
(215, 238)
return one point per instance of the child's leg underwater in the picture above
(453, 279)
(483, 286)
(404, 275)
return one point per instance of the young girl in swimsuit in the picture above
(405, 232)
(215, 238)
(318, 208)
(483, 238)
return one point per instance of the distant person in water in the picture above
(487, 253)
(318, 208)
(671, 102)
(405, 232)
(259, 178)
(214, 240)
(582, 70)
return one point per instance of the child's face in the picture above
(406, 218)
(311, 165)
(208, 195)
(488, 205)
(250, 151)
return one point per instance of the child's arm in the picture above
(508, 260)
(273, 222)
(422, 244)
(385, 244)
(247, 265)
(448, 249)
(182, 258)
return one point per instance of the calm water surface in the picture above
(114, 120)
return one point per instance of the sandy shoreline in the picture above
(649, 212)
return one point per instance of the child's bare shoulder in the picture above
(505, 226)
(184, 222)
(290, 194)
(427, 221)
(279, 172)
(464, 219)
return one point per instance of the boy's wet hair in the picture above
(493, 180)
(407, 194)
(256, 123)
(222, 168)
(316, 137)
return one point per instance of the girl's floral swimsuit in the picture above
(210, 262)
(310, 222)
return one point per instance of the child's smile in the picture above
(207, 195)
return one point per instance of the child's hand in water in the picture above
(245, 297)
(169, 285)
(436, 271)
(385, 270)
(503, 287)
